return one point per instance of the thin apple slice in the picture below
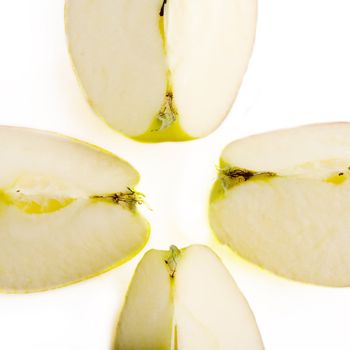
(67, 211)
(282, 200)
(161, 70)
(185, 299)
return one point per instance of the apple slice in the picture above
(67, 211)
(161, 70)
(282, 200)
(185, 299)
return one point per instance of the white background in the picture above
(299, 73)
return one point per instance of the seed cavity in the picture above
(338, 178)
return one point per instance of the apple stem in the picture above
(171, 261)
(129, 199)
(234, 176)
(167, 115)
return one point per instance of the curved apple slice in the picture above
(185, 299)
(161, 70)
(146, 321)
(67, 211)
(283, 200)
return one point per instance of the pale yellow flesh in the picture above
(128, 58)
(53, 232)
(209, 44)
(295, 224)
(210, 311)
(117, 52)
(206, 309)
